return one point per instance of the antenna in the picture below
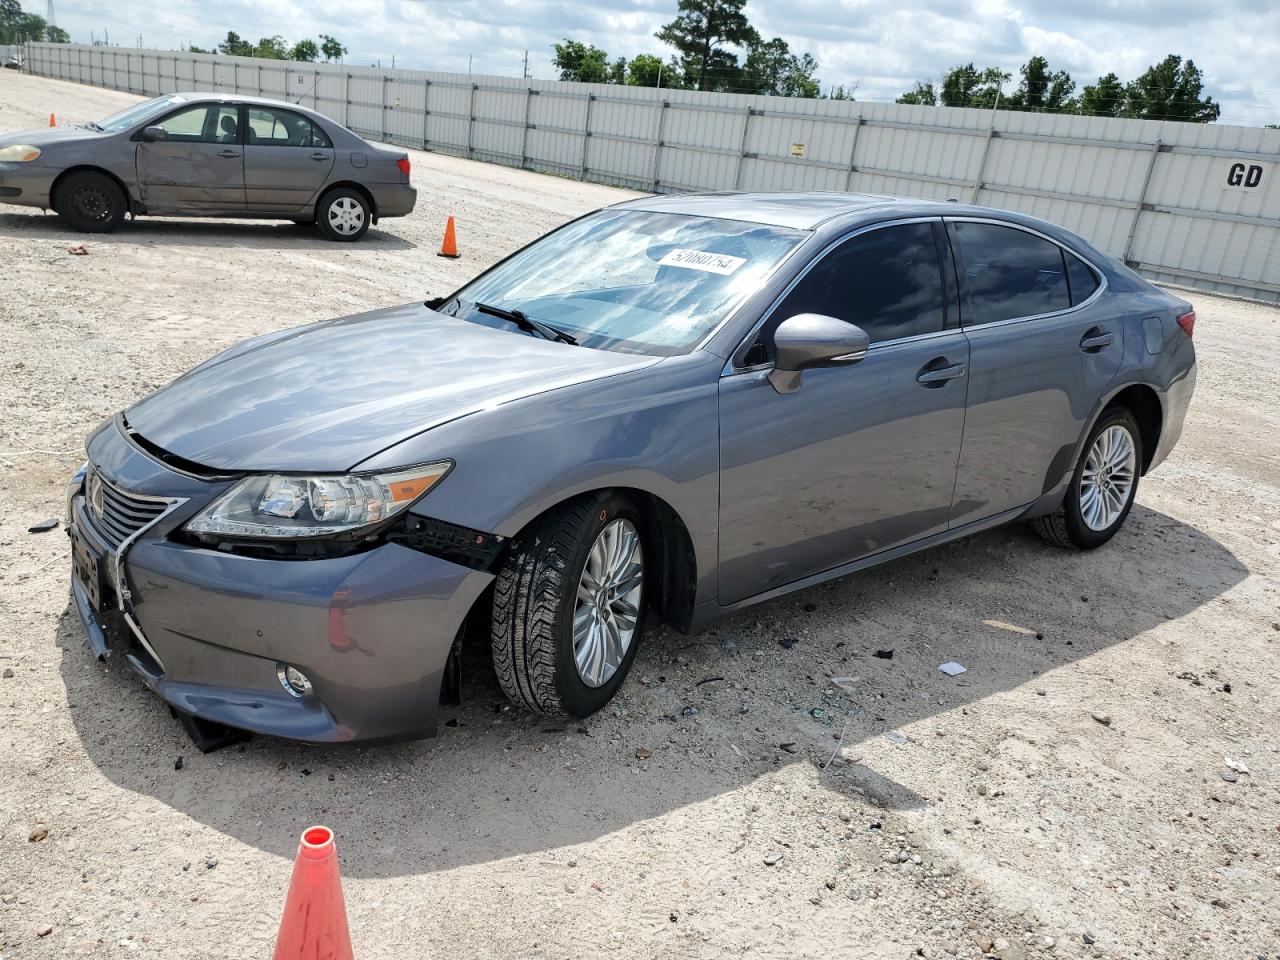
(314, 84)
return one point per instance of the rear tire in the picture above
(91, 202)
(1103, 487)
(540, 597)
(344, 214)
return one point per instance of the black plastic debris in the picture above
(884, 654)
(44, 525)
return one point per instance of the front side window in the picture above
(272, 127)
(886, 281)
(632, 281)
(202, 123)
(1011, 273)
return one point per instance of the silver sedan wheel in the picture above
(607, 606)
(1106, 483)
(346, 216)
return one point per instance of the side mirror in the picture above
(152, 134)
(813, 340)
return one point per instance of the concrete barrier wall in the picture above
(1196, 204)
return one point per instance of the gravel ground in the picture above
(1067, 796)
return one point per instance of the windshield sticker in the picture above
(699, 260)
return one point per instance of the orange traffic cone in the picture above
(314, 925)
(450, 246)
(53, 122)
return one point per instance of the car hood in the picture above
(49, 136)
(325, 397)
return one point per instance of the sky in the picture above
(881, 47)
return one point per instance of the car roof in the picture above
(238, 98)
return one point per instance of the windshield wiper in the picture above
(526, 322)
(93, 126)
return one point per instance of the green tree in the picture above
(772, 69)
(1042, 90)
(1171, 90)
(644, 70)
(55, 34)
(11, 17)
(271, 48)
(305, 50)
(233, 46)
(699, 34)
(618, 71)
(843, 92)
(965, 86)
(581, 62)
(331, 48)
(924, 94)
(1106, 98)
(192, 48)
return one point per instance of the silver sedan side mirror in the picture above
(152, 134)
(813, 340)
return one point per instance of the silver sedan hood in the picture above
(325, 397)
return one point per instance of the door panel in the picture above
(287, 160)
(858, 460)
(199, 168)
(1032, 382)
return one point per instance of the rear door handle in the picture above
(1095, 339)
(931, 377)
(319, 156)
(229, 153)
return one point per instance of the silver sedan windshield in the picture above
(126, 118)
(632, 281)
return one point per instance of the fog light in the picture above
(293, 680)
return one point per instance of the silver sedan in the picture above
(207, 155)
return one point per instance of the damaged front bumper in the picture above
(212, 632)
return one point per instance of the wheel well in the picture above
(1142, 402)
(359, 188)
(88, 168)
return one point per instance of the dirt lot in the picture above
(1067, 796)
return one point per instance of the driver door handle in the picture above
(229, 153)
(936, 377)
(1095, 339)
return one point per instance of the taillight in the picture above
(1188, 322)
(403, 164)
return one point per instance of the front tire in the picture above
(343, 214)
(91, 202)
(1102, 488)
(569, 605)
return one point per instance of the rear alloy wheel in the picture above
(91, 202)
(568, 607)
(1103, 487)
(343, 214)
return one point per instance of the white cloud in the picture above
(884, 46)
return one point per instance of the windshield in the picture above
(130, 116)
(632, 281)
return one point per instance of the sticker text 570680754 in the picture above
(701, 260)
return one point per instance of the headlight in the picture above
(19, 153)
(290, 507)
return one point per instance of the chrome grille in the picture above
(117, 514)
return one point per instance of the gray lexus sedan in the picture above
(675, 407)
(207, 155)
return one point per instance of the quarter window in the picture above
(1011, 273)
(270, 127)
(886, 281)
(1081, 278)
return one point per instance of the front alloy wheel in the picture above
(569, 606)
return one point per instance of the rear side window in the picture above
(272, 127)
(886, 281)
(1081, 278)
(1010, 273)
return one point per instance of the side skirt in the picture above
(706, 614)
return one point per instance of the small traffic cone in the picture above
(53, 121)
(314, 925)
(450, 246)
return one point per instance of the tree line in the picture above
(19, 27)
(277, 48)
(1172, 89)
(716, 48)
